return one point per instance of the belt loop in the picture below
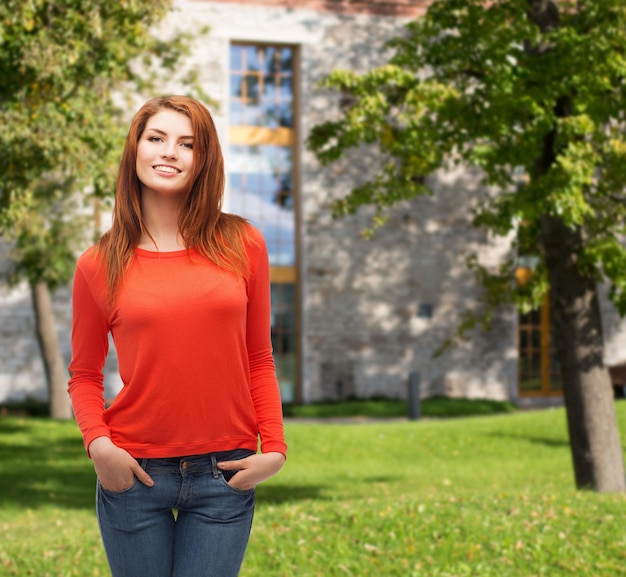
(216, 471)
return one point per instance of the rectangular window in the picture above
(261, 180)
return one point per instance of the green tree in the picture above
(68, 71)
(532, 87)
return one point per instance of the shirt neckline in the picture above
(163, 254)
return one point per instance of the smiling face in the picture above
(165, 154)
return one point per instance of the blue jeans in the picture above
(191, 523)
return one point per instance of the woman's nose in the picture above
(169, 152)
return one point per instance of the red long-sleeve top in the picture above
(194, 352)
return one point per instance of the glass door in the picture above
(538, 369)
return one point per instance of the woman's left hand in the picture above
(253, 469)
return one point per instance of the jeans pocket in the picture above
(142, 464)
(243, 492)
(226, 476)
(120, 492)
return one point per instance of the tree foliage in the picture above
(475, 83)
(66, 69)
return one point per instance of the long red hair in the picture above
(203, 226)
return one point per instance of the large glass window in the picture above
(261, 168)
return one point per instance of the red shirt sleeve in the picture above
(90, 345)
(263, 382)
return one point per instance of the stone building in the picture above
(351, 317)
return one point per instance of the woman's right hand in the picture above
(115, 467)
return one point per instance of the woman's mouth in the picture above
(166, 169)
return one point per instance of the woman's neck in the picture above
(160, 216)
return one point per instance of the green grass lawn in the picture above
(483, 496)
(381, 408)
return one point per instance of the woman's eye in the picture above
(187, 145)
(154, 139)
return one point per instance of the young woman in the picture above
(184, 290)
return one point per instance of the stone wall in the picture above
(384, 306)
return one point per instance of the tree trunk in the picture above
(54, 365)
(592, 424)
(593, 432)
